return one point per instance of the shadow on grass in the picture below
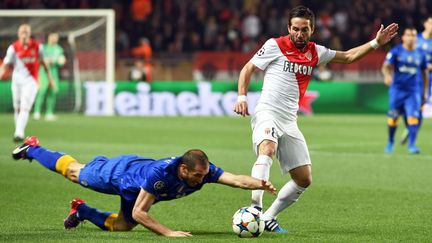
(337, 234)
(84, 235)
(217, 234)
(231, 235)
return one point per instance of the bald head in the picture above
(24, 33)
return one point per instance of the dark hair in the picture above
(193, 158)
(302, 12)
(410, 27)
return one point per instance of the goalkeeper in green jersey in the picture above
(54, 57)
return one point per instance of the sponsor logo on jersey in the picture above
(406, 69)
(28, 59)
(293, 67)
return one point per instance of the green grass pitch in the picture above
(358, 194)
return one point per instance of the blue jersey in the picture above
(407, 68)
(425, 45)
(127, 174)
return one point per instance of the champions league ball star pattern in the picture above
(246, 222)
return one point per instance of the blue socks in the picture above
(391, 133)
(45, 157)
(412, 134)
(93, 215)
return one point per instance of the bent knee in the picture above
(304, 182)
(392, 122)
(73, 170)
(412, 120)
(267, 147)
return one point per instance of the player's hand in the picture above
(48, 61)
(383, 36)
(387, 80)
(268, 186)
(52, 85)
(241, 108)
(178, 234)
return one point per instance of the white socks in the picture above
(260, 170)
(15, 116)
(21, 123)
(287, 195)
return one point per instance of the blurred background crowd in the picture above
(179, 28)
(237, 25)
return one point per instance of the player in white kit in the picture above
(24, 55)
(288, 63)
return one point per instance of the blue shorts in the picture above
(103, 175)
(402, 102)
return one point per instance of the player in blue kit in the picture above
(424, 44)
(140, 182)
(401, 69)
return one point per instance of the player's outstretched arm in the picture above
(140, 214)
(241, 107)
(246, 182)
(383, 36)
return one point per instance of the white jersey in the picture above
(287, 74)
(25, 60)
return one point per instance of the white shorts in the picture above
(24, 93)
(292, 150)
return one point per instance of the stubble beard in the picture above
(298, 46)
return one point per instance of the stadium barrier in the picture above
(186, 98)
(227, 66)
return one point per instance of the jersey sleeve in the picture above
(391, 57)
(325, 54)
(154, 182)
(10, 55)
(268, 52)
(214, 174)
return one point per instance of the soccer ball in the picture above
(247, 222)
